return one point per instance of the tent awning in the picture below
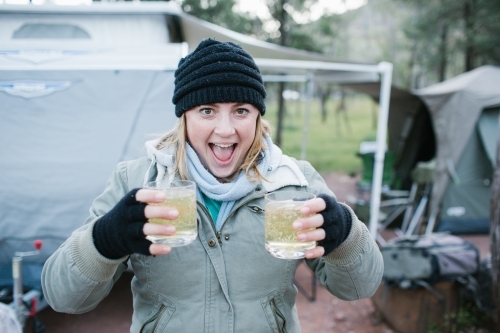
(47, 55)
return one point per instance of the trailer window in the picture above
(50, 31)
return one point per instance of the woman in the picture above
(225, 281)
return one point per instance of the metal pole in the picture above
(17, 293)
(385, 94)
(310, 89)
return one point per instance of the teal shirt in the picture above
(213, 207)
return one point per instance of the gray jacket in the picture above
(222, 282)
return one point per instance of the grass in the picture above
(331, 145)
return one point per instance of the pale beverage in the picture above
(181, 195)
(282, 209)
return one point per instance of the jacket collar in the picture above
(283, 171)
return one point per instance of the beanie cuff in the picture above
(220, 94)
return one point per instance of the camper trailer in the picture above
(81, 88)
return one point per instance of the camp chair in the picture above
(415, 204)
(394, 202)
(411, 205)
(422, 175)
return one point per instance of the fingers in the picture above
(313, 206)
(150, 196)
(313, 235)
(314, 221)
(159, 249)
(317, 252)
(161, 212)
(158, 229)
(155, 211)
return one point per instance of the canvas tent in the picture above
(82, 88)
(465, 112)
(456, 123)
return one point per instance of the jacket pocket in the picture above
(256, 209)
(161, 313)
(271, 305)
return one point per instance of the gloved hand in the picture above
(120, 232)
(337, 223)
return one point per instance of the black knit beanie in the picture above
(217, 72)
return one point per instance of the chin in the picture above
(225, 177)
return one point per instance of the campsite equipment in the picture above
(479, 289)
(425, 259)
(408, 208)
(25, 297)
(454, 122)
(423, 276)
(416, 310)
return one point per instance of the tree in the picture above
(221, 12)
(453, 36)
(296, 35)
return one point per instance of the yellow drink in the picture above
(281, 238)
(183, 198)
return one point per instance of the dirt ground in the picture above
(325, 314)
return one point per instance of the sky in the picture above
(319, 8)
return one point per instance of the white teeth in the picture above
(222, 145)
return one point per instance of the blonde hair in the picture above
(177, 138)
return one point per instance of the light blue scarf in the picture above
(228, 193)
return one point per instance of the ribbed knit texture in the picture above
(120, 231)
(337, 224)
(85, 256)
(217, 72)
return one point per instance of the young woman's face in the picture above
(221, 134)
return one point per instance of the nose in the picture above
(224, 127)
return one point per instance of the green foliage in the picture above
(453, 36)
(221, 12)
(466, 320)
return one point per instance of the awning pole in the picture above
(385, 94)
(310, 91)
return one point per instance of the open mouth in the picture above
(223, 153)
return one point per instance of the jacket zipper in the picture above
(207, 213)
(155, 317)
(277, 314)
(160, 314)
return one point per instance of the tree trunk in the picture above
(495, 237)
(324, 95)
(469, 35)
(442, 52)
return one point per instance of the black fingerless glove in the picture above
(119, 232)
(337, 223)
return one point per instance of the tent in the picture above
(454, 122)
(465, 115)
(82, 87)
